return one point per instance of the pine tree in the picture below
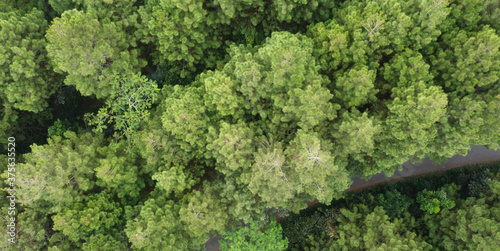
(361, 228)
(60, 171)
(91, 50)
(472, 225)
(26, 77)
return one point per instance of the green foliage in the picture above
(174, 179)
(222, 94)
(62, 5)
(25, 6)
(204, 214)
(314, 166)
(200, 29)
(331, 42)
(361, 228)
(158, 149)
(96, 215)
(59, 171)
(264, 105)
(371, 29)
(411, 122)
(465, 14)
(472, 225)
(253, 237)
(490, 14)
(33, 225)
(394, 203)
(279, 82)
(123, 12)
(127, 106)
(355, 87)
(91, 50)
(355, 136)
(432, 201)
(59, 128)
(188, 23)
(468, 61)
(104, 243)
(407, 68)
(479, 184)
(118, 170)
(297, 228)
(7, 125)
(185, 117)
(233, 148)
(26, 78)
(269, 176)
(242, 204)
(157, 226)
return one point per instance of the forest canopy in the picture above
(171, 121)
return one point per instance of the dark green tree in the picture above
(431, 202)
(26, 76)
(472, 225)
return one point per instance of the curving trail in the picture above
(477, 154)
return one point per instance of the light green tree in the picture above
(361, 228)
(316, 172)
(157, 225)
(354, 136)
(467, 61)
(356, 87)
(202, 28)
(60, 171)
(127, 106)
(117, 170)
(204, 214)
(185, 118)
(91, 50)
(410, 123)
(96, 214)
(233, 148)
(253, 238)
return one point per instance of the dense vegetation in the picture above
(394, 217)
(157, 123)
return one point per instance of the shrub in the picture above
(432, 201)
(252, 237)
(394, 203)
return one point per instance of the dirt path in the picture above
(477, 154)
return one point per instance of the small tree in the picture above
(394, 203)
(432, 201)
(127, 106)
(252, 237)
